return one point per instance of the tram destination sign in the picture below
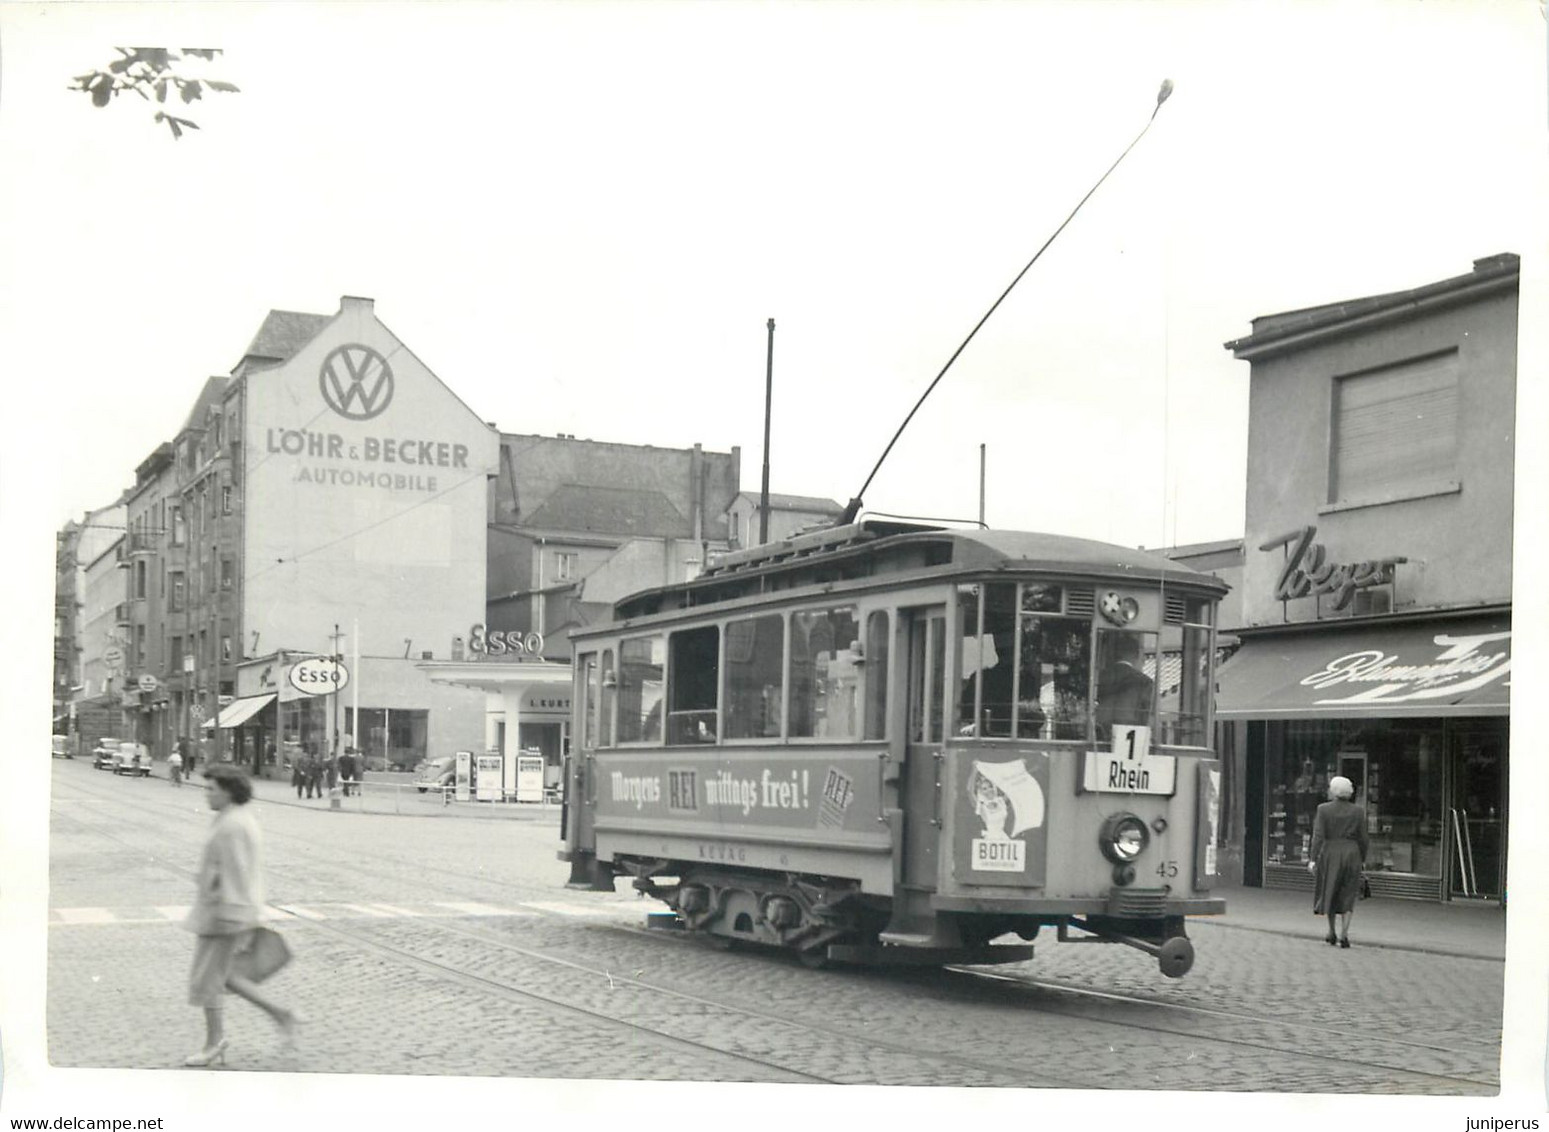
(1130, 767)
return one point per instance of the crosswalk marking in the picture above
(395, 910)
(373, 910)
(608, 908)
(471, 909)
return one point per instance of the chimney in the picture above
(355, 305)
(1499, 261)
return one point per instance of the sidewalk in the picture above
(383, 793)
(1469, 929)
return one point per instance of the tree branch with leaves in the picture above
(153, 74)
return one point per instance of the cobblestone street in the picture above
(440, 947)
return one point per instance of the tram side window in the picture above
(607, 682)
(755, 667)
(693, 684)
(1052, 677)
(587, 666)
(877, 638)
(825, 678)
(1125, 690)
(927, 678)
(988, 660)
(1184, 689)
(642, 662)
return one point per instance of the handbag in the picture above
(265, 954)
(1366, 888)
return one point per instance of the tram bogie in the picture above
(896, 744)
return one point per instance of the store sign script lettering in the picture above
(1308, 573)
(1461, 664)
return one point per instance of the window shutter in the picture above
(1395, 428)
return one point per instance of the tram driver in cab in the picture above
(1124, 691)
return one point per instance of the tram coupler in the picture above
(1174, 955)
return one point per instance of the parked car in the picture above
(436, 774)
(132, 759)
(105, 753)
(62, 744)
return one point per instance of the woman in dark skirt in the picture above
(1338, 849)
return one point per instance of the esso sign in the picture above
(318, 676)
(499, 642)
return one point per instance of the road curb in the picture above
(1355, 945)
(472, 813)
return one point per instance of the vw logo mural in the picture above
(356, 382)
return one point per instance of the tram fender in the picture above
(915, 924)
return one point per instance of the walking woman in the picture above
(226, 912)
(1339, 847)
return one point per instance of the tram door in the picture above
(1475, 819)
(925, 719)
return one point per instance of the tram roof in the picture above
(953, 551)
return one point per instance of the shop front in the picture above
(1415, 713)
(527, 712)
(386, 710)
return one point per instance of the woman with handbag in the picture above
(1339, 846)
(232, 951)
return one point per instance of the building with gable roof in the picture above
(788, 515)
(327, 498)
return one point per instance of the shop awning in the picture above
(1428, 668)
(238, 712)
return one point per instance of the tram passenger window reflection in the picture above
(825, 680)
(642, 663)
(755, 663)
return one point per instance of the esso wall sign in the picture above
(318, 676)
(495, 642)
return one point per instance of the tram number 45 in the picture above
(1167, 869)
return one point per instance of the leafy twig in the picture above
(151, 72)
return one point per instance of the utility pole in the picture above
(338, 659)
(981, 485)
(763, 498)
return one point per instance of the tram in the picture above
(891, 742)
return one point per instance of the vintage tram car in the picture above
(896, 742)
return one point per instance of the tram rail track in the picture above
(666, 1012)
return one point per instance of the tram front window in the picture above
(1056, 655)
(1125, 685)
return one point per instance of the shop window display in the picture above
(1397, 770)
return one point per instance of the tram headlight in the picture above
(1123, 838)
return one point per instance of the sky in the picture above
(581, 215)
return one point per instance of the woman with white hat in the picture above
(1339, 847)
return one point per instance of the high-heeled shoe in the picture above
(207, 1057)
(1330, 940)
(1345, 942)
